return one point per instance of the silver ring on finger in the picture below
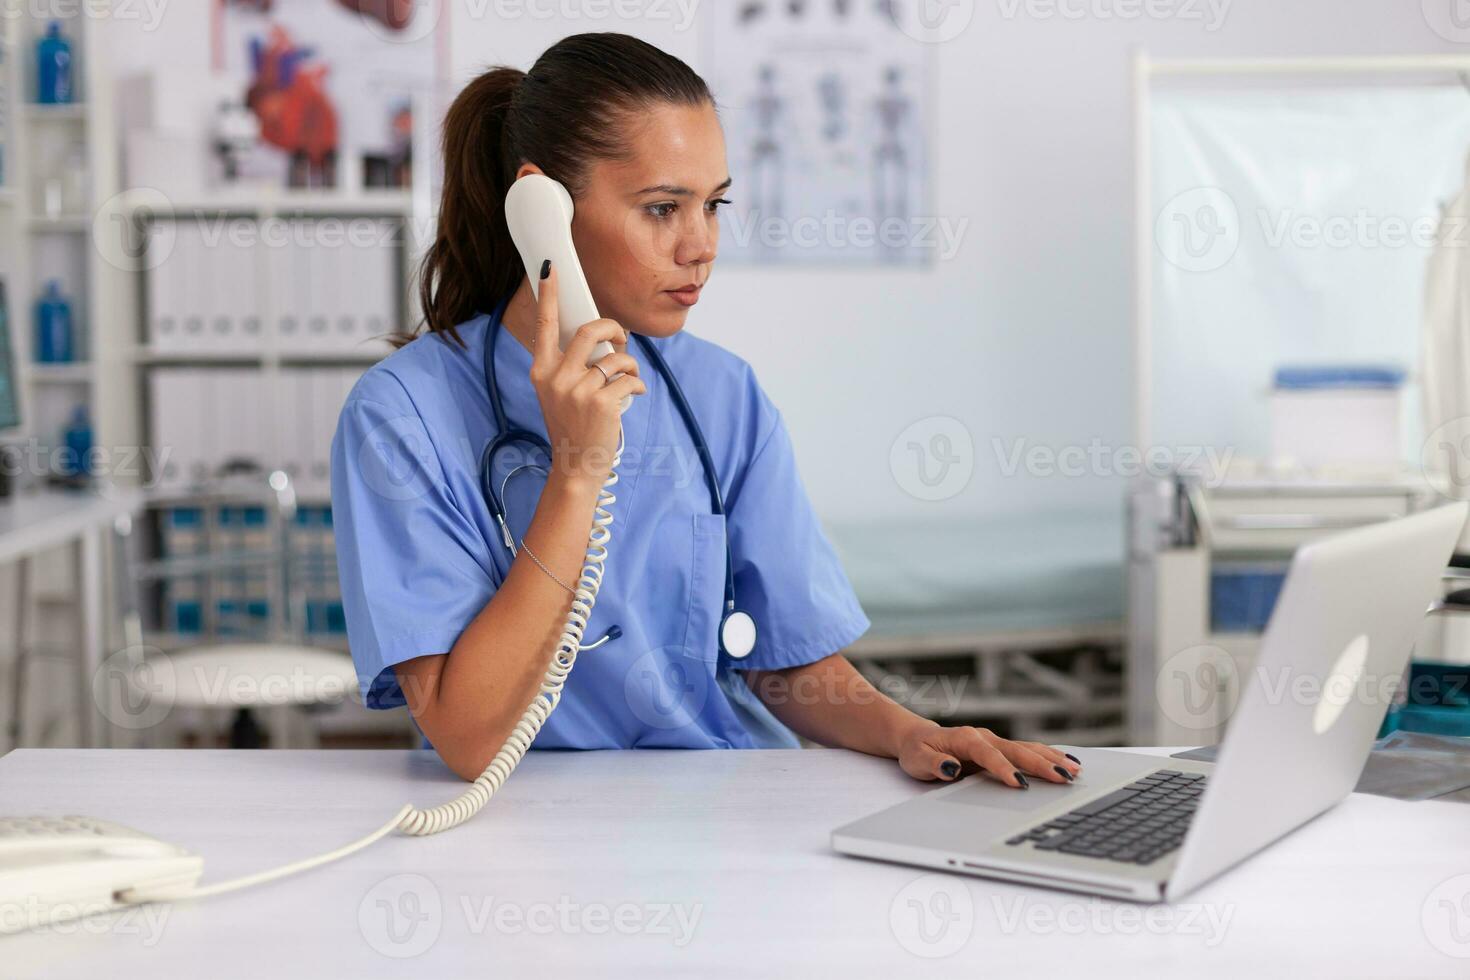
(606, 380)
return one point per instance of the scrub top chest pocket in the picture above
(707, 588)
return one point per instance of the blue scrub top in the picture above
(419, 555)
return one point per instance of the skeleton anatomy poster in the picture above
(826, 117)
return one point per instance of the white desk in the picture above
(32, 522)
(738, 839)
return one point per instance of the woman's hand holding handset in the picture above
(581, 407)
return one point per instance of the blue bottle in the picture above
(78, 438)
(53, 67)
(53, 327)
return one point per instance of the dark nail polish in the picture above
(950, 768)
(1073, 758)
(1063, 772)
(545, 268)
(1021, 780)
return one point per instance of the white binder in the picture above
(288, 290)
(182, 413)
(165, 278)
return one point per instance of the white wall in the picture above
(1025, 334)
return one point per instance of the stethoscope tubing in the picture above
(507, 435)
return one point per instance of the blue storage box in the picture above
(1243, 595)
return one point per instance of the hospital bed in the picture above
(1013, 622)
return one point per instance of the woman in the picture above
(443, 618)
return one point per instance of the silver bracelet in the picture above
(543, 567)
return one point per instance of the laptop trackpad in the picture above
(979, 791)
(1102, 769)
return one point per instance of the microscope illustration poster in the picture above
(824, 105)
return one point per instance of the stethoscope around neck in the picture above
(737, 629)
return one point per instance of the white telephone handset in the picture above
(539, 214)
(538, 211)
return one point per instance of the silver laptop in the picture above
(1152, 829)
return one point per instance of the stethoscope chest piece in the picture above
(737, 634)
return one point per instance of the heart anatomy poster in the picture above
(327, 88)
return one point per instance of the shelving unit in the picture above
(73, 237)
(76, 111)
(76, 372)
(275, 352)
(41, 246)
(123, 357)
(284, 203)
(13, 266)
(38, 244)
(274, 363)
(108, 297)
(79, 223)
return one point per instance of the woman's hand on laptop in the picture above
(830, 702)
(932, 751)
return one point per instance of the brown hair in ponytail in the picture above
(564, 113)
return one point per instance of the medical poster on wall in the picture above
(327, 89)
(827, 123)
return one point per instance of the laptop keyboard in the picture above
(1137, 824)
